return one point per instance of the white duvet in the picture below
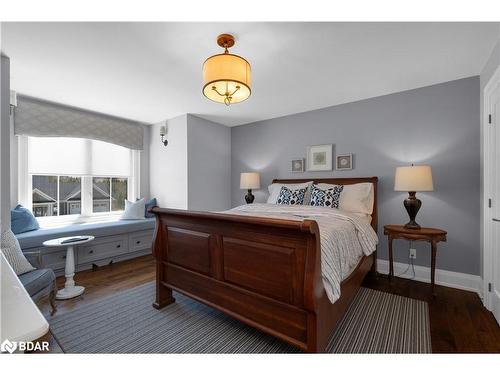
(345, 237)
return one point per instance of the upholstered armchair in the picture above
(40, 282)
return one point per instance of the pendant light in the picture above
(226, 77)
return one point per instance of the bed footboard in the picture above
(264, 272)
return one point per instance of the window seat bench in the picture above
(114, 241)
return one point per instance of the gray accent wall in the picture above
(436, 125)
(209, 165)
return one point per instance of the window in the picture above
(75, 179)
(56, 195)
(109, 194)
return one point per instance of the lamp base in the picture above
(249, 197)
(412, 205)
(412, 225)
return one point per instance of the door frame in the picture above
(487, 232)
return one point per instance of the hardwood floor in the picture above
(459, 322)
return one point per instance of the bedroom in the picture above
(250, 187)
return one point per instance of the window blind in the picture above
(35, 117)
(77, 157)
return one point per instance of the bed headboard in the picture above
(341, 181)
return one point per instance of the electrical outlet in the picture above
(413, 253)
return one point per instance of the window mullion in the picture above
(110, 196)
(58, 197)
(86, 196)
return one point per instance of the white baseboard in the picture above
(450, 279)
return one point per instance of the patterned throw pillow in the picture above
(326, 198)
(13, 253)
(288, 196)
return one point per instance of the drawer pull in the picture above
(118, 245)
(64, 257)
(91, 252)
(138, 242)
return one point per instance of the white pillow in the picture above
(13, 253)
(356, 197)
(134, 210)
(274, 191)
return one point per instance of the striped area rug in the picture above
(376, 322)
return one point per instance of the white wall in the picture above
(14, 179)
(209, 165)
(488, 70)
(194, 170)
(4, 143)
(168, 165)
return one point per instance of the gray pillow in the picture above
(13, 253)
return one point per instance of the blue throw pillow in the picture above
(22, 220)
(150, 203)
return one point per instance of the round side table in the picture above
(70, 290)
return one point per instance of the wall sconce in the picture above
(163, 134)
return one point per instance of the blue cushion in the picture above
(150, 203)
(35, 239)
(22, 220)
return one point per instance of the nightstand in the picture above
(431, 235)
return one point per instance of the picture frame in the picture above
(319, 157)
(298, 165)
(344, 162)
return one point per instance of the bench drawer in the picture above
(140, 240)
(55, 260)
(102, 248)
(51, 257)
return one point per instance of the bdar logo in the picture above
(8, 346)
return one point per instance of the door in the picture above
(493, 252)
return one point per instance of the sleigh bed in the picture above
(263, 271)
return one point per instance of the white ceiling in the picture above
(152, 71)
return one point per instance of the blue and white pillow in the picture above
(326, 197)
(292, 197)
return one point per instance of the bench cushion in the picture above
(35, 238)
(37, 280)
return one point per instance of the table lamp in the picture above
(412, 179)
(249, 180)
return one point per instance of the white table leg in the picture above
(70, 289)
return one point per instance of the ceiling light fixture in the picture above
(226, 77)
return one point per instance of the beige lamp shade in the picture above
(226, 76)
(250, 180)
(413, 178)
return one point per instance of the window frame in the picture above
(25, 190)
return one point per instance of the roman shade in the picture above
(40, 118)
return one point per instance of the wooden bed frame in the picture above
(264, 272)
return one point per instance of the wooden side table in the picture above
(431, 235)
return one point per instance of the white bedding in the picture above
(345, 237)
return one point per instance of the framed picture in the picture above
(298, 165)
(319, 158)
(344, 162)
